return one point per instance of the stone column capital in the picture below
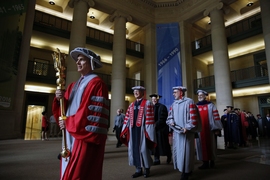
(120, 14)
(90, 3)
(217, 6)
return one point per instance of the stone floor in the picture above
(37, 160)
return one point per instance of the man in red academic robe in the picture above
(138, 133)
(87, 112)
(211, 127)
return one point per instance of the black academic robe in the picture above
(233, 132)
(162, 129)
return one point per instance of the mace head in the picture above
(65, 153)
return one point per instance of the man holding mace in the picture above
(87, 113)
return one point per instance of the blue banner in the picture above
(169, 70)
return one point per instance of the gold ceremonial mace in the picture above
(59, 66)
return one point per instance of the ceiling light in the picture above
(250, 3)
(92, 16)
(51, 2)
(39, 88)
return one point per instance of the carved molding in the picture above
(139, 5)
(90, 3)
(185, 7)
(120, 14)
(163, 4)
(219, 6)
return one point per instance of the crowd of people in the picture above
(241, 127)
(145, 127)
(189, 122)
(194, 126)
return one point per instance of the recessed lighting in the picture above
(51, 2)
(250, 3)
(92, 16)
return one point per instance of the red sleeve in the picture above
(76, 124)
(125, 136)
(56, 104)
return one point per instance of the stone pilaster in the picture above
(78, 34)
(265, 13)
(186, 58)
(149, 62)
(221, 58)
(118, 90)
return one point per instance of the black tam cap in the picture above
(229, 107)
(155, 95)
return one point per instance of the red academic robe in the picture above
(206, 144)
(86, 159)
(244, 123)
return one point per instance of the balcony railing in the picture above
(249, 73)
(95, 35)
(45, 73)
(247, 27)
(250, 76)
(41, 72)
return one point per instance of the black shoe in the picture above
(205, 165)
(157, 162)
(136, 174)
(169, 159)
(118, 145)
(212, 164)
(184, 176)
(146, 172)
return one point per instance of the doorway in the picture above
(33, 122)
(265, 110)
(264, 105)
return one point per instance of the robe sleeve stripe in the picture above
(127, 115)
(216, 115)
(100, 99)
(96, 129)
(99, 109)
(149, 115)
(193, 113)
(97, 119)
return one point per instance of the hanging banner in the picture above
(169, 70)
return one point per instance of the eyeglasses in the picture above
(175, 92)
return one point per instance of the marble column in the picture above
(118, 81)
(149, 62)
(77, 34)
(265, 14)
(221, 58)
(23, 65)
(186, 59)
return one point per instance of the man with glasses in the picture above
(206, 144)
(184, 120)
(138, 133)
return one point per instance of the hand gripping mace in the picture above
(59, 66)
